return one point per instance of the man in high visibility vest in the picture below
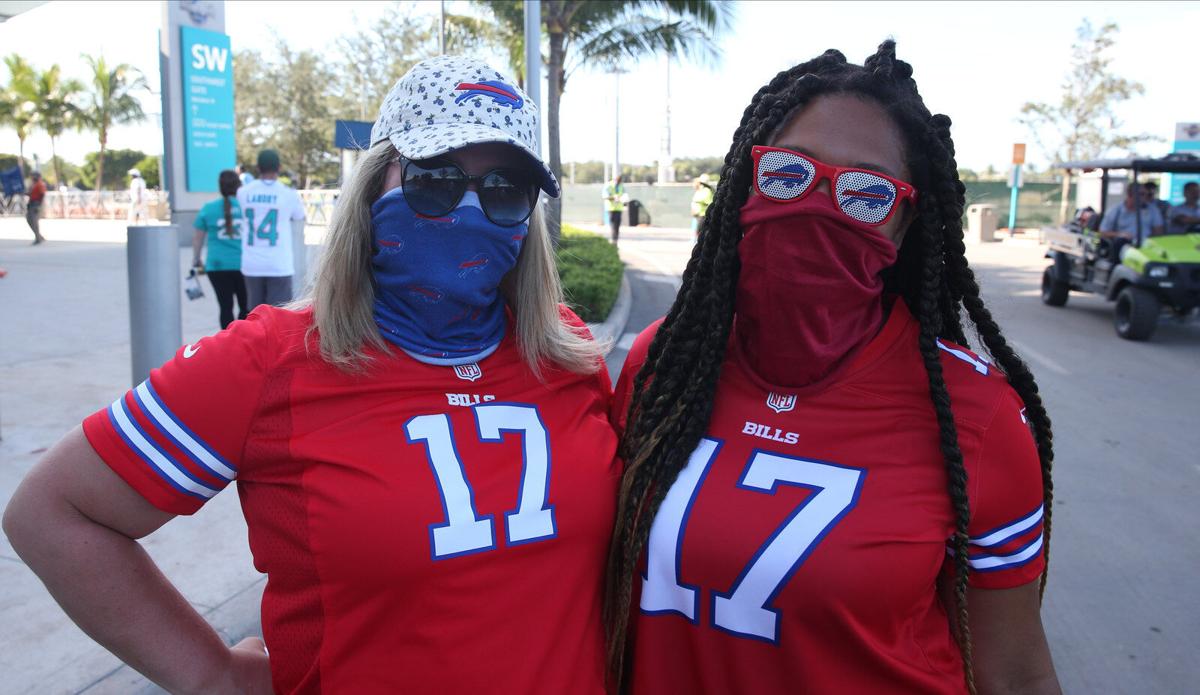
(615, 198)
(701, 199)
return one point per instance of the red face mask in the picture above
(809, 294)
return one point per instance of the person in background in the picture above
(137, 197)
(1164, 208)
(1121, 222)
(702, 197)
(615, 198)
(1185, 217)
(33, 206)
(219, 223)
(268, 207)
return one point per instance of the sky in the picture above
(978, 62)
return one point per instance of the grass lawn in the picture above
(591, 273)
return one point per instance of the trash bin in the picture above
(981, 223)
(635, 212)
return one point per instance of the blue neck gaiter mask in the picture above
(437, 279)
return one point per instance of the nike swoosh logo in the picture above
(189, 350)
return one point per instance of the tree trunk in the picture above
(555, 84)
(57, 167)
(100, 161)
(1066, 192)
(21, 157)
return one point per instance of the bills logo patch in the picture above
(468, 372)
(781, 402)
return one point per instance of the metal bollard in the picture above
(299, 260)
(155, 318)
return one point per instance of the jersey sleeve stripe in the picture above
(991, 563)
(153, 455)
(1004, 534)
(184, 438)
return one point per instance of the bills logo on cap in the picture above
(495, 90)
(781, 402)
(468, 372)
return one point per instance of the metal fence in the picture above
(87, 205)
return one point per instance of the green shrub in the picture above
(590, 270)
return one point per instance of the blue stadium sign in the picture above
(208, 124)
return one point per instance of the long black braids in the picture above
(673, 392)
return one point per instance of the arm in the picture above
(75, 523)
(198, 236)
(1010, 651)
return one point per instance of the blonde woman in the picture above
(421, 448)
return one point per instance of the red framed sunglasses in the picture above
(783, 176)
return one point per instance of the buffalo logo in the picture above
(781, 402)
(390, 246)
(468, 372)
(789, 176)
(498, 92)
(424, 293)
(475, 265)
(427, 221)
(876, 196)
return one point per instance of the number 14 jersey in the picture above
(799, 549)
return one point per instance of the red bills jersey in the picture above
(799, 549)
(424, 529)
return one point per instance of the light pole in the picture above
(533, 59)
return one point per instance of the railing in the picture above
(114, 205)
(94, 205)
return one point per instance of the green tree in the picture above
(117, 174)
(609, 36)
(111, 101)
(689, 168)
(1083, 124)
(148, 166)
(373, 57)
(284, 103)
(18, 108)
(56, 108)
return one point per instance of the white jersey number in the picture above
(745, 610)
(465, 531)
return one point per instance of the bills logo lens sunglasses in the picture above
(783, 176)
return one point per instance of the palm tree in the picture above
(19, 107)
(609, 35)
(112, 102)
(56, 108)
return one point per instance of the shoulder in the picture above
(977, 387)
(641, 347)
(572, 320)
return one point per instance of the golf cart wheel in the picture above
(1054, 291)
(1136, 315)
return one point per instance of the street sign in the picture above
(1019, 153)
(207, 107)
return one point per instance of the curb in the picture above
(609, 332)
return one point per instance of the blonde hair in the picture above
(342, 295)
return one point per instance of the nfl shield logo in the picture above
(468, 372)
(781, 402)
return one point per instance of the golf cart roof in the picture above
(1178, 162)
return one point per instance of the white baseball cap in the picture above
(449, 102)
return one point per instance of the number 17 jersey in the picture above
(424, 529)
(800, 548)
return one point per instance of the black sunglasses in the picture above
(434, 187)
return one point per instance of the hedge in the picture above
(590, 270)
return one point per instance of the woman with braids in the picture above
(219, 223)
(825, 492)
